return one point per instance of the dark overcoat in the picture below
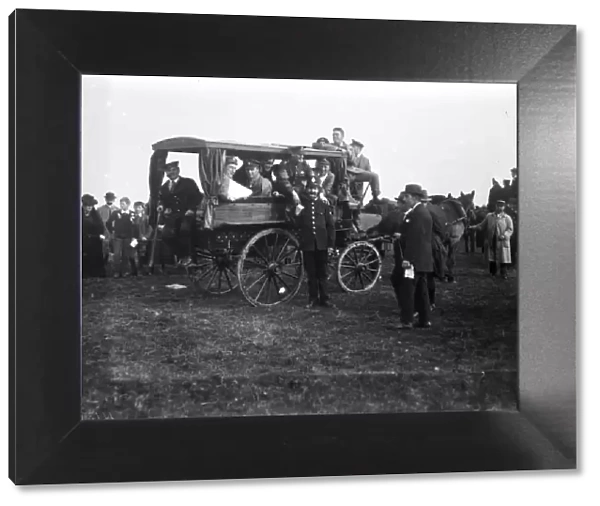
(185, 196)
(416, 236)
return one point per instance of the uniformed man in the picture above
(179, 198)
(317, 240)
(291, 176)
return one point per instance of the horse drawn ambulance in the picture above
(252, 243)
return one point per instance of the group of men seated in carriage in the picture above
(339, 182)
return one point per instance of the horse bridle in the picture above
(457, 220)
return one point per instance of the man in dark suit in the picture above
(179, 198)
(413, 259)
(317, 238)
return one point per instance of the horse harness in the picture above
(456, 221)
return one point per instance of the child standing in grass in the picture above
(142, 232)
(121, 226)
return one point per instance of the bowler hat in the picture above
(357, 143)
(414, 189)
(110, 195)
(88, 200)
(425, 196)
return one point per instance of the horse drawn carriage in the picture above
(253, 243)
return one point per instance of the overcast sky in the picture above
(447, 137)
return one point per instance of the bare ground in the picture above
(150, 351)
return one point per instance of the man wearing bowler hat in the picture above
(178, 198)
(415, 260)
(108, 207)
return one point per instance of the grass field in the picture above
(150, 351)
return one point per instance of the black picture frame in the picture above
(50, 50)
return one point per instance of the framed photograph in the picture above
(260, 253)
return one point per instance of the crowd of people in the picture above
(114, 233)
(338, 182)
(124, 235)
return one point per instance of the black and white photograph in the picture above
(280, 247)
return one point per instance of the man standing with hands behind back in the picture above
(409, 278)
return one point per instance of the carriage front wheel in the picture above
(270, 268)
(359, 267)
(214, 271)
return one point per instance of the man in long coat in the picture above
(498, 227)
(413, 259)
(178, 198)
(93, 232)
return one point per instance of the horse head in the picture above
(467, 200)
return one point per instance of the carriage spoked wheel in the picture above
(270, 268)
(214, 271)
(359, 267)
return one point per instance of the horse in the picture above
(477, 216)
(468, 203)
(450, 214)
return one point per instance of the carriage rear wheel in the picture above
(214, 272)
(359, 267)
(270, 268)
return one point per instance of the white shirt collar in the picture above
(411, 209)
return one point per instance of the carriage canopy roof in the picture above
(196, 145)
